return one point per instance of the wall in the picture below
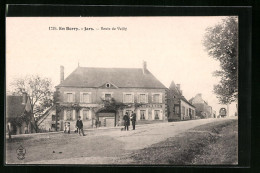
(186, 116)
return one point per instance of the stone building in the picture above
(16, 109)
(203, 110)
(179, 108)
(86, 92)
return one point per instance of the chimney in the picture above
(200, 95)
(24, 98)
(181, 92)
(61, 74)
(144, 67)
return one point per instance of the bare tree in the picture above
(38, 88)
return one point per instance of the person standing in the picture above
(127, 121)
(133, 119)
(79, 125)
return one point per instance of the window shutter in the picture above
(133, 98)
(160, 98)
(152, 98)
(90, 100)
(74, 97)
(146, 98)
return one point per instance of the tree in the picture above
(39, 89)
(221, 43)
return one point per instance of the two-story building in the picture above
(179, 108)
(86, 90)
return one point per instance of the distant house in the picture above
(85, 91)
(179, 108)
(203, 110)
(16, 108)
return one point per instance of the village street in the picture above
(107, 146)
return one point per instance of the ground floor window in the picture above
(142, 114)
(156, 114)
(86, 115)
(69, 115)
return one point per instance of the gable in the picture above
(108, 85)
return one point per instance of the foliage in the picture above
(39, 90)
(112, 104)
(221, 43)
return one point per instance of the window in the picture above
(187, 112)
(53, 118)
(156, 114)
(177, 109)
(86, 115)
(128, 98)
(69, 115)
(107, 97)
(107, 85)
(86, 97)
(69, 97)
(142, 98)
(156, 98)
(142, 114)
(53, 126)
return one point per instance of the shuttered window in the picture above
(69, 97)
(157, 98)
(142, 97)
(85, 97)
(128, 97)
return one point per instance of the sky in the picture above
(171, 46)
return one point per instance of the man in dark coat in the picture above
(133, 119)
(127, 121)
(79, 125)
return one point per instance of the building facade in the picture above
(16, 109)
(203, 110)
(178, 107)
(101, 96)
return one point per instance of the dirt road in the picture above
(98, 147)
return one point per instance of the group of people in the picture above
(127, 119)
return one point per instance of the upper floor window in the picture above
(108, 97)
(143, 98)
(157, 98)
(69, 97)
(85, 97)
(107, 85)
(128, 98)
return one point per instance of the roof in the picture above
(91, 77)
(177, 93)
(14, 106)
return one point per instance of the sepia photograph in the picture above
(130, 90)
